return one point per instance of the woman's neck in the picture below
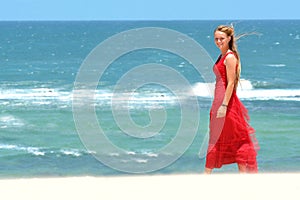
(224, 51)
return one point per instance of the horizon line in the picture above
(89, 20)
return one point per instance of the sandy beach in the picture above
(184, 186)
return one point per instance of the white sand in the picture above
(157, 187)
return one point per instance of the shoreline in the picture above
(180, 186)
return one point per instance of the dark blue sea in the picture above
(144, 123)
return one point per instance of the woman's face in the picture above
(221, 40)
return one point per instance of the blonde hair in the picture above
(229, 30)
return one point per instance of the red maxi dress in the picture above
(232, 139)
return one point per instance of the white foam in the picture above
(8, 146)
(150, 154)
(130, 153)
(207, 89)
(203, 89)
(245, 85)
(10, 121)
(114, 154)
(36, 93)
(247, 91)
(70, 152)
(276, 65)
(271, 94)
(32, 150)
(150, 98)
(142, 161)
(35, 151)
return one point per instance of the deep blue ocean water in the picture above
(39, 64)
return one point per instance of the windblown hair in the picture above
(229, 30)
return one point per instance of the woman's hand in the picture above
(221, 111)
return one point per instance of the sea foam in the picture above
(247, 91)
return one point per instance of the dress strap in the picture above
(230, 52)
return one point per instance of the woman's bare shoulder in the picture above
(230, 59)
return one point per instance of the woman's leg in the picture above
(207, 170)
(242, 168)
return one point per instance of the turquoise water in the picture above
(39, 63)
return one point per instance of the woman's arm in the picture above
(230, 63)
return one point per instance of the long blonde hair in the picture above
(229, 30)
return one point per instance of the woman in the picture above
(231, 138)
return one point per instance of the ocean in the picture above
(46, 130)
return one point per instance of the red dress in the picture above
(232, 139)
